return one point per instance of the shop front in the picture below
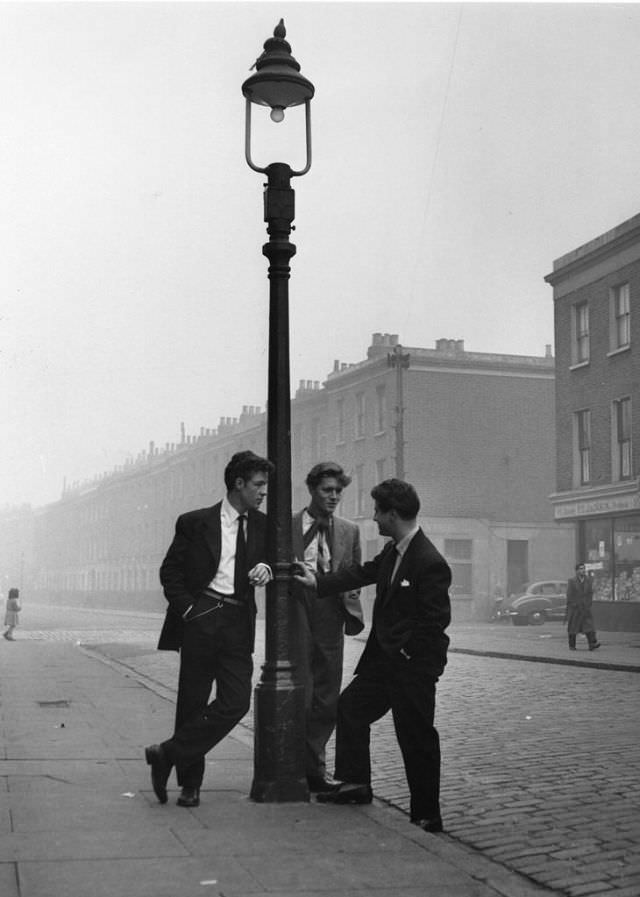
(609, 544)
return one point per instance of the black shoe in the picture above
(347, 793)
(160, 770)
(189, 797)
(572, 647)
(429, 825)
(594, 646)
(320, 783)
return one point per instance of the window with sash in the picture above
(580, 326)
(620, 330)
(622, 466)
(582, 442)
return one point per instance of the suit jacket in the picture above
(345, 550)
(192, 561)
(410, 613)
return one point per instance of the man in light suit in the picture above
(213, 564)
(326, 543)
(405, 654)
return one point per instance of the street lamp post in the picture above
(279, 769)
(400, 361)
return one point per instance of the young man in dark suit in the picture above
(578, 615)
(405, 654)
(327, 543)
(214, 563)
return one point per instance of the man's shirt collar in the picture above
(403, 544)
(228, 512)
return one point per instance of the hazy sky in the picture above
(458, 150)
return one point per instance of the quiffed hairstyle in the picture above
(326, 469)
(579, 564)
(397, 495)
(244, 465)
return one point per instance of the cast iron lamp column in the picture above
(279, 762)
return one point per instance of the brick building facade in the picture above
(597, 331)
(478, 444)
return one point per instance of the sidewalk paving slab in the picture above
(80, 819)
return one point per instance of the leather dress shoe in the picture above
(429, 825)
(320, 783)
(189, 797)
(160, 770)
(347, 793)
(594, 646)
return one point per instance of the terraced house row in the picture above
(473, 431)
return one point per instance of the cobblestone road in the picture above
(541, 762)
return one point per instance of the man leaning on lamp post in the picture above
(327, 543)
(404, 656)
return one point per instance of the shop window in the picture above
(598, 556)
(458, 553)
(580, 333)
(626, 543)
(612, 554)
(620, 317)
(582, 448)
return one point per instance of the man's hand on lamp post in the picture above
(302, 574)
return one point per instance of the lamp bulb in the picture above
(277, 114)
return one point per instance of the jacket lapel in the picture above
(384, 587)
(213, 532)
(403, 567)
(337, 543)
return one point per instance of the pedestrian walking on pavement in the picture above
(12, 613)
(215, 561)
(579, 617)
(404, 656)
(326, 542)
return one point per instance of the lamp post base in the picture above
(279, 749)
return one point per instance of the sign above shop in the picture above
(588, 507)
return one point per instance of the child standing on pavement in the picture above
(11, 616)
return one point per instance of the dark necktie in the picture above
(393, 557)
(240, 570)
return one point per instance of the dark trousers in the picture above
(217, 648)
(320, 648)
(591, 637)
(410, 694)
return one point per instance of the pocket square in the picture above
(405, 583)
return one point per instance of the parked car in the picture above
(538, 602)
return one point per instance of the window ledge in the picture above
(579, 364)
(380, 433)
(619, 350)
(359, 438)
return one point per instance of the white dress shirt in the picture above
(317, 554)
(222, 582)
